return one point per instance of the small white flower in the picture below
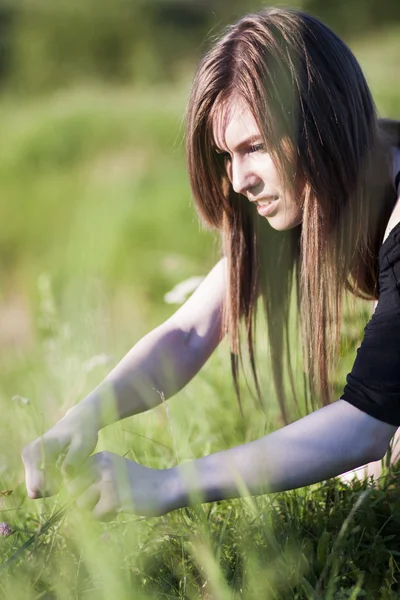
(20, 399)
(99, 360)
(180, 292)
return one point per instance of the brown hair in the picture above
(302, 84)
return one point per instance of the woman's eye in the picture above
(257, 148)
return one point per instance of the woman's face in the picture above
(250, 167)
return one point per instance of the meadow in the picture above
(97, 226)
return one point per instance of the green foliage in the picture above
(56, 45)
(356, 17)
(45, 45)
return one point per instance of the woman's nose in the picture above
(242, 177)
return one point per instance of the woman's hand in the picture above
(60, 451)
(109, 484)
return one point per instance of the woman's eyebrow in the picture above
(248, 141)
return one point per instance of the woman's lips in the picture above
(266, 208)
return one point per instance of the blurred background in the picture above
(97, 226)
(97, 223)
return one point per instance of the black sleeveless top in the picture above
(373, 385)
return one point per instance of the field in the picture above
(97, 226)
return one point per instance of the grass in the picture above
(98, 226)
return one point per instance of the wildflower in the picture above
(20, 400)
(99, 360)
(5, 530)
(180, 292)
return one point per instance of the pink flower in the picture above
(5, 530)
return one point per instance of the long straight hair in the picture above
(306, 91)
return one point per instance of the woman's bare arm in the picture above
(157, 367)
(167, 358)
(324, 444)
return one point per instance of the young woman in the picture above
(282, 136)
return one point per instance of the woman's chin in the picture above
(280, 223)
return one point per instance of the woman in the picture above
(282, 135)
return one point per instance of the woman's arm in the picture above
(157, 367)
(167, 358)
(324, 444)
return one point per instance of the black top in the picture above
(373, 385)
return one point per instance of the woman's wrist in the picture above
(87, 411)
(198, 481)
(172, 489)
(98, 408)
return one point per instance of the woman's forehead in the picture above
(233, 123)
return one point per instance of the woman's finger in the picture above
(36, 476)
(104, 510)
(75, 457)
(34, 481)
(87, 477)
(89, 498)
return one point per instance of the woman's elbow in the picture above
(371, 437)
(379, 441)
